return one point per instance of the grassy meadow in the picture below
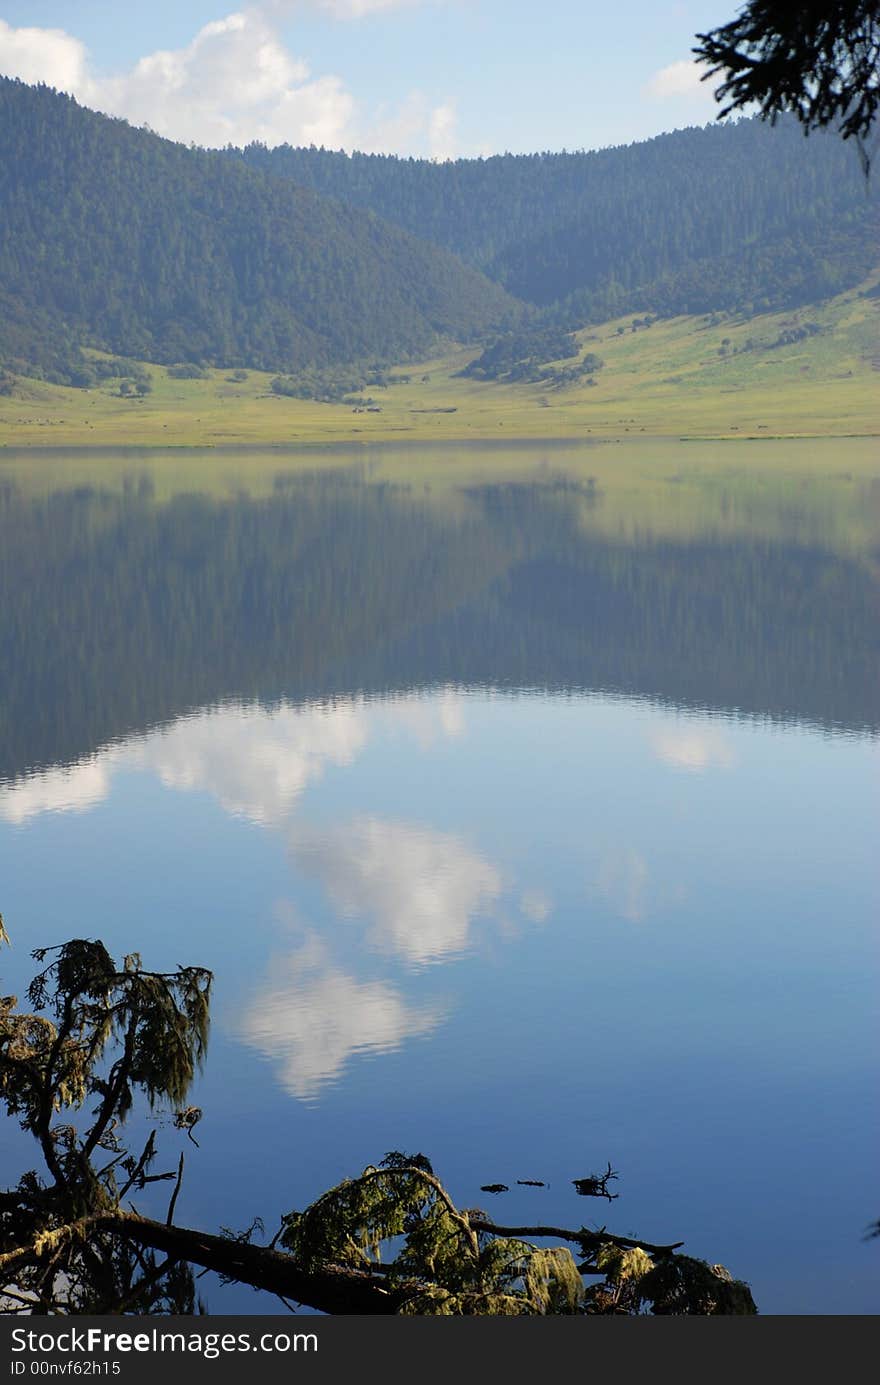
(684, 377)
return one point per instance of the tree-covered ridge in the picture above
(113, 237)
(617, 228)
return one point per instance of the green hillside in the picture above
(121, 253)
(737, 215)
(116, 238)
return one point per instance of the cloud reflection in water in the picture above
(417, 892)
(421, 888)
(692, 746)
(312, 1017)
(69, 789)
(254, 760)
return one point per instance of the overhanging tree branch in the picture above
(819, 61)
(70, 1247)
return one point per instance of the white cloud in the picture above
(412, 127)
(693, 747)
(255, 762)
(442, 133)
(311, 1018)
(679, 79)
(396, 129)
(421, 888)
(75, 790)
(43, 55)
(428, 719)
(235, 82)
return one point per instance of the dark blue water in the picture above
(517, 828)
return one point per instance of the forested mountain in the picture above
(295, 259)
(114, 237)
(731, 215)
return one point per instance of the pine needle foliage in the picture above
(155, 1023)
(442, 1263)
(450, 1262)
(685, 1286)
(97, 1037)
(819, 60)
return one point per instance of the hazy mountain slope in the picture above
(146, 248)
(620, 227)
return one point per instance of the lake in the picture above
(523, 802)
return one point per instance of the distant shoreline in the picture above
(358, 446)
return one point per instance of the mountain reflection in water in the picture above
(121, 610)
(522, 806)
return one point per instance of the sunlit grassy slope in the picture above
(686, 377)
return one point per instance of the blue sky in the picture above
(442, 78)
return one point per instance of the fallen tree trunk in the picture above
(335, 1289)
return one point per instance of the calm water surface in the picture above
(524, 805)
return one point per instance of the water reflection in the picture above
(693, 746)
(420, 888)
(254, 761)
(536, 905)
(622, 879)
(562, 770)
(124, 606)
(637, 885)
(403, 889)
(311, 1017)
(69, 789)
